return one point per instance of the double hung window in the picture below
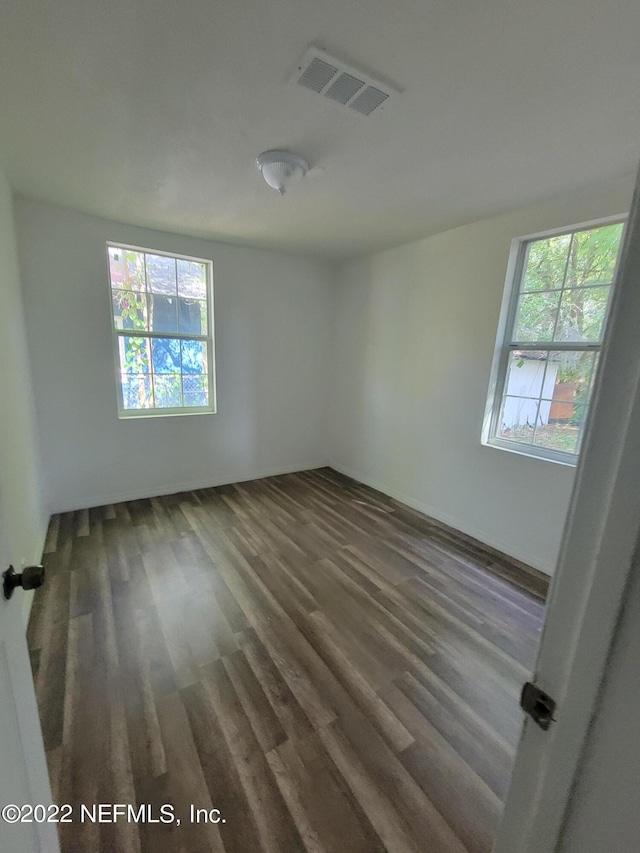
(560, 297)
(162, 323)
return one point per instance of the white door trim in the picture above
(600, 538)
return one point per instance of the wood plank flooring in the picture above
(331, 670)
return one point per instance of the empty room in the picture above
(319, 426)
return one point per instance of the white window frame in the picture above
(128, 414)
(505, 343)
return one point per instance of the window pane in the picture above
(563, 373)
(526, 374)
(161, 274)
(163, 313)
(517, 419)
(195, 390)
(137, 391)
(126, 269)
(129, 309)
(593, 256)
(168, 391)
(192, 315)
(582, 314)
(563, 434)
(134, 354)
(117, 267)
(536, 316)
(568, 382)
(563, 381)
(194, 357)
(192, 279)
(166, 355)
(546, 263)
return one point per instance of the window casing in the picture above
(162, 324)
(557, 302)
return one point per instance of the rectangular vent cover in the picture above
(341, 83)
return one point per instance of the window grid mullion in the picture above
(544, 379)
(559, 289)
(175, 267)
(152, 377)
(563, 288)
(146, 278)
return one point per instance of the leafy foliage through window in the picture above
(559, 306)
(161, 311)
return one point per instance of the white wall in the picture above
(273, 320)
(23, 521)
(413, 349)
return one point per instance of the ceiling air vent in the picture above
(341, 83)
(369, 100)
(317, 74)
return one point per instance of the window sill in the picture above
(156, 414)
(544, 455)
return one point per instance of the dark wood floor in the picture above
(329, 669)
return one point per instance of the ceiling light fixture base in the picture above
(281, 168)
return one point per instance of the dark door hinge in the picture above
(538, 705)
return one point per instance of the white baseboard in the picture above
(414, 503)
(189, 486)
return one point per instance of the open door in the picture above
(600, 539)
(24, 780)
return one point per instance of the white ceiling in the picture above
(153, 113)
